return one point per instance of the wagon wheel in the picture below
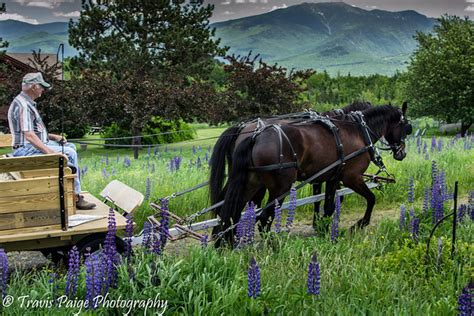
(57, 255)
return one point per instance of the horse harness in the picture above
(311, 117)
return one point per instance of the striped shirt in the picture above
(24, 117)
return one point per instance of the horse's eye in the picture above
(408, 129)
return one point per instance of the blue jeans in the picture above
(69, 151)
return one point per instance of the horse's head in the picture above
(397, 133)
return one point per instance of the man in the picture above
(29, 133)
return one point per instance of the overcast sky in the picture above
(35, 12)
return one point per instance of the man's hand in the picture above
(57, 138)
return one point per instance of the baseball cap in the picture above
(35, 77)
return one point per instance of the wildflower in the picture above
(411, 190)
(291, 209)
(147, 235)
(314, 276)
(466, 300)
(106, 159)
(94, 279)
(149, 152)
(104, 173)
(253, 279)
(3, 272)
(198, 162)
(177, 162)
(426, 201)
(128, 236)
(110, 252)
(433, 143)
(462, 213)
(156, 247)
(194, 149)
(403, 218)
(335, 220)
(126, 162)
(147, 188)
(440, 144)
(246, 226)
(415, 228)
(54, 286)
(73, 272)
(118, 158)
(277, 217)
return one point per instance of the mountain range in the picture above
(334, 36)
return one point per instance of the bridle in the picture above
(395, 147)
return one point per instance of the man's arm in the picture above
(56, 138)
(37, 143)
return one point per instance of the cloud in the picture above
(470, 8)
(373, 6)
(42, 4)
(276, 7)
(239, 1)
(17, 17)
(227, 2)
(73, 14)
(228, 13)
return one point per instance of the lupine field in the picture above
(381, 270)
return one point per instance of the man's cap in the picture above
(35, 78)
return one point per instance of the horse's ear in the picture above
(404, 108)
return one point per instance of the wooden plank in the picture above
(5, 140)
(29, 203)
(35, 244)
(29, 186)
(44, 173)
(35, 233)
(12, 164)
(29, 219)
(122, 196)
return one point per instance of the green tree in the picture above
(440, 77)
(150, 49)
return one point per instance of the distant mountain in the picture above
(24, 37)
(333, 36)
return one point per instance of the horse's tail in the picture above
(222, 150)
(237, 181)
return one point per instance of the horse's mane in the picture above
(378, 115)
(357, 106)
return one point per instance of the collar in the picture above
(28, 98)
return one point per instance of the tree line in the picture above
(141, 59)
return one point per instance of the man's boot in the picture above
(82, 204)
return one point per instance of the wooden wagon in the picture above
(38, 212)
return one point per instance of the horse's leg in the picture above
(267, 215)
(330, 193)
(358, 185)
(316, 191)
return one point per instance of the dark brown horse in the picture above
(315, 149)
(225, 145)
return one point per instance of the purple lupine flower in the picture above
(442, 186)
(152, 168)
(466, 300)
(199, 148)
(128, 236)
(106, 159)
(277, 217)
(291, 209)
(206, 157)
(425, 148)
(415, 228)
(434, 171)
(104, 173)
(147, 235)
(314, 276)
(111, 256)
(426, 201)
(147, 188)
(53, 277)
(253, 278)
(440, 144)
(335, 219)
(194, 149)
(403, 217)
(177, 162)
(73, 272)
(198, 162)
(245, 229)
(118, 158)
(164, 223)
(93, 279)
(3, 272)
(156, 247)
(433, 143)
(411, 190)
(126, 162)
(149, 151)
(462, 212)
(418, 141)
